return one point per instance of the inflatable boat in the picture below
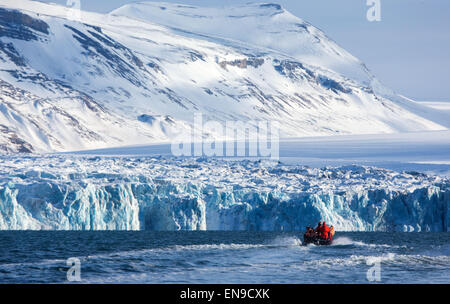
(317, 241)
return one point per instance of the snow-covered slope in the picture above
(266, 26)
(123, 193)
(139, 74)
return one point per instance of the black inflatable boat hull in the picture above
(317, 242)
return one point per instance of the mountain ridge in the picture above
(120, 79)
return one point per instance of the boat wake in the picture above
(346, 241)
(290, 241)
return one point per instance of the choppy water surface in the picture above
(223, 257)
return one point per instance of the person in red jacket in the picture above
(319, 229)
(325, 230)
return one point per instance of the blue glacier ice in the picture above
(119, 193)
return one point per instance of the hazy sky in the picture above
(408, 50)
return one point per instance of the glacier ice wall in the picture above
(167, 195)
(45, 201)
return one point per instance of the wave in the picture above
(346, 241)
(286, 241)
(41, 263)
(214, 247)
(386, 259)
(438, 251)
(175, 249)
(277, 242)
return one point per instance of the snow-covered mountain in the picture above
(138, 75)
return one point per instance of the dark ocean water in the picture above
(223, 257)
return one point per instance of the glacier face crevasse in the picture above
(164, 197)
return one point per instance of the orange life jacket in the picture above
(325, 230)
(331, 232)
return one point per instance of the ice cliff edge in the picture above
(87, 194)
